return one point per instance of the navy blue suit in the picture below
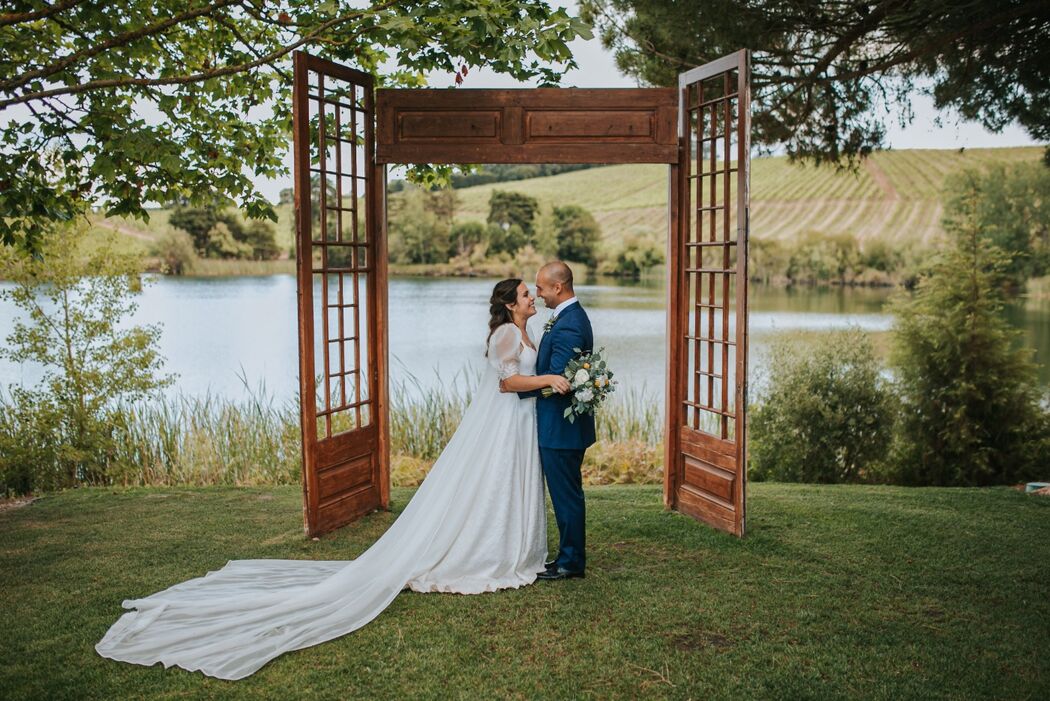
(562, 444)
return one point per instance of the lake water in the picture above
(220, 334)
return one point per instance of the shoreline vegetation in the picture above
(874, 227)
(1036, 289)
(210, 440)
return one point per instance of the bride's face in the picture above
(525, 304)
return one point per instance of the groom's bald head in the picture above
(554, 283)
(558, 272)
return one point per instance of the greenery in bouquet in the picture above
(591, 381)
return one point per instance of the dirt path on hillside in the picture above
(881, 179)
(124, 229)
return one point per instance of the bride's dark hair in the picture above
(505, 292)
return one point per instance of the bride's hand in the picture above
(559, 384)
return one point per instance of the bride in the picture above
(476, 524)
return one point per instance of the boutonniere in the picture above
(550, 324)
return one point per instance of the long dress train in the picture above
(476, 524)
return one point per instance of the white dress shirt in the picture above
(561, 307)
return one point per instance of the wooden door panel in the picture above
(339, 246)
(706, 446)
(529, 125)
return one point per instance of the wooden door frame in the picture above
(345, 473)
(549, 125)
(711, 498)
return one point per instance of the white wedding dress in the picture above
(476, 524)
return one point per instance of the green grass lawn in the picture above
(862, 592)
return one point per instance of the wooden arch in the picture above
(345, 134)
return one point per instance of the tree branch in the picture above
(919, 50)
(250, 46)
(119, 40)
(847, 39)
(196, 77)
(644, 43)
(10, 18)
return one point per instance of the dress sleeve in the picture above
(504, 350)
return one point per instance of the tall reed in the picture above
(211, 440)
(632, 415)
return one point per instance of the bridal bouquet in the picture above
(591, 380)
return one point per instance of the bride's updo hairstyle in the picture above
(505, 292)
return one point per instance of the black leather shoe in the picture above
(548, 566)
(560, 573)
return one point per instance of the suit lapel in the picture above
(543, 361)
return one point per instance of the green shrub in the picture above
(262, 237)
(220, 233)
(768, 259)
(419, 233)
(199, 223)
(508, 209)
(466, 236)
(175, 249)
(638, 254)
(819, 258)
(29, 447)
(878, 254)
(506, 238)
(223, 244)
(825, 415)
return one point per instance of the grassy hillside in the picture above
(894, 196)
(837, 592)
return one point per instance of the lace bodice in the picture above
(509, 354)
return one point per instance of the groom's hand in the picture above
(503, 386)
(560, 385)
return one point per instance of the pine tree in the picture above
(970, 412)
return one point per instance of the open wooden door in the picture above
(340, 244)
(706, 448)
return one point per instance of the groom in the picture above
(562, 444)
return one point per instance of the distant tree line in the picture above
(211, 232)
(423, 230)
(1012, 211)
(502, 173)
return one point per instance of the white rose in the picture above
(585, 395)
(581, 377)
(602, 380)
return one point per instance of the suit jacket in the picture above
(572, 329)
